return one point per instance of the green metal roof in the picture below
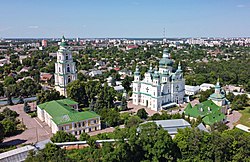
(217, 96)
(208, 116)
(212, 118)
(63, 44)
(62, 113)
(166, 61)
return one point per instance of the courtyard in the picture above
(35, 130)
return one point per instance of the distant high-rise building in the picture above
(44, 43)
(65, 68)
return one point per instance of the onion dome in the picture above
(165, 61)
(63, 42)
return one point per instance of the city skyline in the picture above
(124, 19)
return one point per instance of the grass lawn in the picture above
(245, 118)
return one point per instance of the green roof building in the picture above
(64, 115)
(219, 98)
(209, 112)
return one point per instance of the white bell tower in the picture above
(65, 68)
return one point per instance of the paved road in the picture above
(36, 130)
(233, 118)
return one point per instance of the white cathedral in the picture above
(65, 68)
(161, 87)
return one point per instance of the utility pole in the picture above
(36, 135)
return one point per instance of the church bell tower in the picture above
(65, 68)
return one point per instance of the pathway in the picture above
(35, 129)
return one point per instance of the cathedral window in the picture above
(68, 68)
(67, 57)
(69, 79)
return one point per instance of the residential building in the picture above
(64, 115)
(44, 43)
(206, 86)
(65, 68)
(191, 90)
(45, 77)
(161, 87)
(94, 73)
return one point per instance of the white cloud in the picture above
(33, 27)
(240, 6)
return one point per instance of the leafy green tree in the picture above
(9, 126)
(2, 131)
(219, 126)
(76, 91)
(84, 137)
(48, 95)
(50, 153)
(92, 142)
(142, 113)
(1, 89)
(110, 117)
(133, 121)
(155, 144)
(62, 136)
(205, 94)
(7, 113)
(11, 91)
(124, 104)
(28, 87)
(8, 80)
(230, 96)
(126, 83)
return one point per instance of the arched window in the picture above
(67, 57)
(59, 69)
(69, 79)
(68, 68)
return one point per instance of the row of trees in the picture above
(8, 123)
(24, 88)
(152, 143)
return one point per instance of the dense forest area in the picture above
(153, 143)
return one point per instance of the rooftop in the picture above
(207, 110)
(63, 113)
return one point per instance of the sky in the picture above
(124, 18)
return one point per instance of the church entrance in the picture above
(146, 103)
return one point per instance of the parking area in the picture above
(35, 130)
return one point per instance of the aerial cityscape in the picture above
(131, 80)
